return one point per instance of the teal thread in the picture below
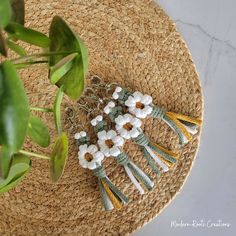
(100, 172)
(123, 95)
(83, 140)
(139, 174)
(158, 112)
(142, 140)
(101, 125)
(151, 162)
(116, 191)
(122, 159)
(104, 196)
(172, 124)
(115, 112)
(163, 154)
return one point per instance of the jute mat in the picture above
(133, 43)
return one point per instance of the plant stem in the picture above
(41, 109)
(34, 155)
(32, 56)
(57, 108)
(28, 64)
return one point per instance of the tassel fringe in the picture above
(157, 159)
(114, 200)
(134, 180)
(136, 175)
(141, 176)
(110, 194)
(105, 198)
(184, 126)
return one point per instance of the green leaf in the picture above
(3, 46)
(5, 161)
(57, 109)
(38, 132)
(20, 166)
(84, 53)
(18, 11)
(59, 157)
(5, 13)
(63, 39)
(14, 108)
(61, 68)
(14, 114)
(28, 35)
(16, 48)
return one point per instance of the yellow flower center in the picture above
(128, 126)
(109, 143)
(139, 105)
(88, 157)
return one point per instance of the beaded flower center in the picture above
(139, 105)
(88, 157)
(128, 126)
(109, 143)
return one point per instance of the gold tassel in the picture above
(168, 163)
(177, 117)
(117, 204)
(185, 118)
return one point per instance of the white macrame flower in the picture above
(89, 156)
(115, 95)
(139, 105)
(96, 120)
(79, 135)
(128, 126)
(110, 143)
(108, 107)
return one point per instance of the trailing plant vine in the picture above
(67, 59)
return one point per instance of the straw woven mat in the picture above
(133, 43)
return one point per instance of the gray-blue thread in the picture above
(103, 196)
(83, 140)
(115, 112)
(163, 154)
(158, 112)
(150, 161)
(100, 172)
(116, 191)
(122, 159)
(139, 176)
(142, 140)
(101, 125)
(123, 95)
(175, 128)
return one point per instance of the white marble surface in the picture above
(209, 28)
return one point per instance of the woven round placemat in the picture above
(133, 43)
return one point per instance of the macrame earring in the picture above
(111, 143)
(141, 106)
(91, 158)
(129, 127)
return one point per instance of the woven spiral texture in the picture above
(135, 44)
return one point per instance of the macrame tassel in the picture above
(163, 157)
(151, 161)
(166, 155)
(111, 195)
(113, 198)
(156, 159)
(184, 126)
(105, 198)
(134, 180)
(135, 174)
(141, 176)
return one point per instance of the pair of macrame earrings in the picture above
(128, 126)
